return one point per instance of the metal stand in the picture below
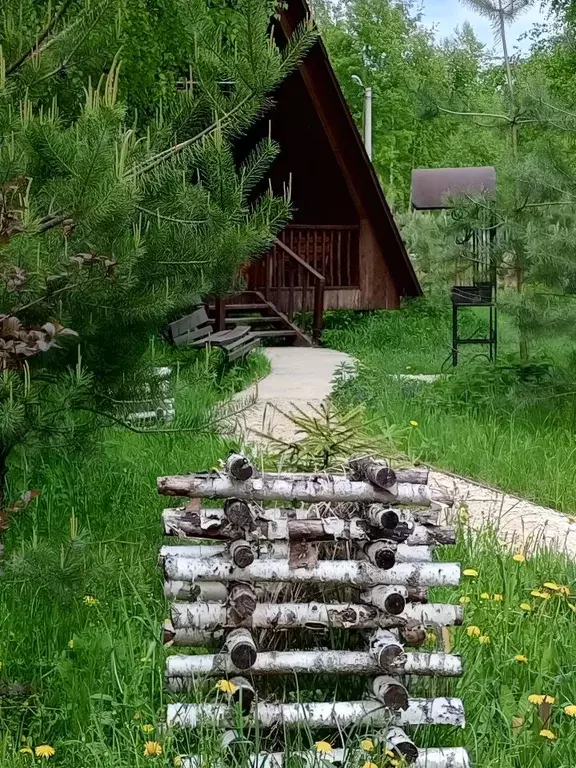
(481, 295)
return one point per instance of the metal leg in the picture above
(454, 335)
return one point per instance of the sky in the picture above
(447, 14)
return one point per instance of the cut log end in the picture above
(413, 637)
(397, 741)
(390, 692)
(376, 472)
(243, 601)
(242, 553)
(244, 695)
(395, 604)
(242, 648)
(239, 514)
(239, 467)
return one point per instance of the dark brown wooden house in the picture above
(342, 249)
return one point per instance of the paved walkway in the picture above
(302, 377)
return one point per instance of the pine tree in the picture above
(121, 204)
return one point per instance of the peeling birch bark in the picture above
(239, 467)
(434, 534)
(242, 648)
(415, 475)
(342, 714)
(376, 472)
(449, 757)
(390, 692)
(182, 670)
(352, 572)
(205, 591)
(307, 488)
(265, 549)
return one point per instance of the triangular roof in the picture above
(344, 137)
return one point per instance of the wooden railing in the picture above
(290, 283)
(332, 249)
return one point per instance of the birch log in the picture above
(307, 488)
(385, 649)
(376, 472)
(389, 599)
(382, 554)
(239, 467)
(211, 616)
(244, 695)
(275, 550)
(449, 757)
(242, 602)
(182, 670)
(399, 743)
(390, 692)
(239, 515)
(188, 637)
(241, 553)
(211, 524)
(350, 572)
(242, 648)
(382, 516)
(205, 591)
(342, 714)
(415, 475)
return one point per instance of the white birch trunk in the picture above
(406, 553)
(277, 550)
(449, 757)
(415, 475)
(307, 488)
(205, 591)
(351, 572)
(389, 599)
(377, 472)
(431, 534)
(342, 714)
(398, 742)
(183, 670)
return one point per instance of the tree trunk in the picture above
(350, 572)
(376, 472)
(182, 671)
(342, 714)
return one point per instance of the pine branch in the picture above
(41, 37)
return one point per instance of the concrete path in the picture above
(302, 377)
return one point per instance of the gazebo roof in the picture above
(432, 186)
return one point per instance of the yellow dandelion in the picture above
(177, 762)
(370, 765)
(44, 751)
(389, 753)
(147, 728)
(90, 600)
(473, 631)
(413, 423)
(546, 734)
(152, 749)
(519, 557)
(396, 763)
(542, 594)
(551, 585)
(367, 745)
(526, 607)
(472, 572)
(464, 600)
(484, 596)
(564, 590)
(570, 710)
(498, 597)
(484, 639)
(323, 747)
(27, 751)
(521, 658)
(225, 686)
(71, 643)
(539, 698)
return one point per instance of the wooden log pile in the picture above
(358, 550)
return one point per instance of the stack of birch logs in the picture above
(367, 537)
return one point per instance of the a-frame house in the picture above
(342, 250)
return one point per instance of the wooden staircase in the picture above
(253, 309)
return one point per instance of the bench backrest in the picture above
(197, 325)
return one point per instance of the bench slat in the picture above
(191, 322)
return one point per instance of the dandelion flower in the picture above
(147, 728)
(27, 751)
(473, 631)
(546, 734)
(323, 747)
(225, 686)
(564, 590)
(389, 753)
(470, 572)
(552, 586)
(484, 596)
(367, 745)
(464, 600)
(570, 710)
(498, 597)
(542, 594)
(521, 658)
(71, 644)
(484, 639)
(519, 557)
(413, 423)
(177, 762)
(370, 765)
(152, 749)
(45, 751)
(90, 600)
(539, 698)
(526, 607)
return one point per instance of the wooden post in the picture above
(318, 319)
(220, 312)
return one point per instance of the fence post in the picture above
(318, 310)
(220, 313)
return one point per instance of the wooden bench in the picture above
(195, 330)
